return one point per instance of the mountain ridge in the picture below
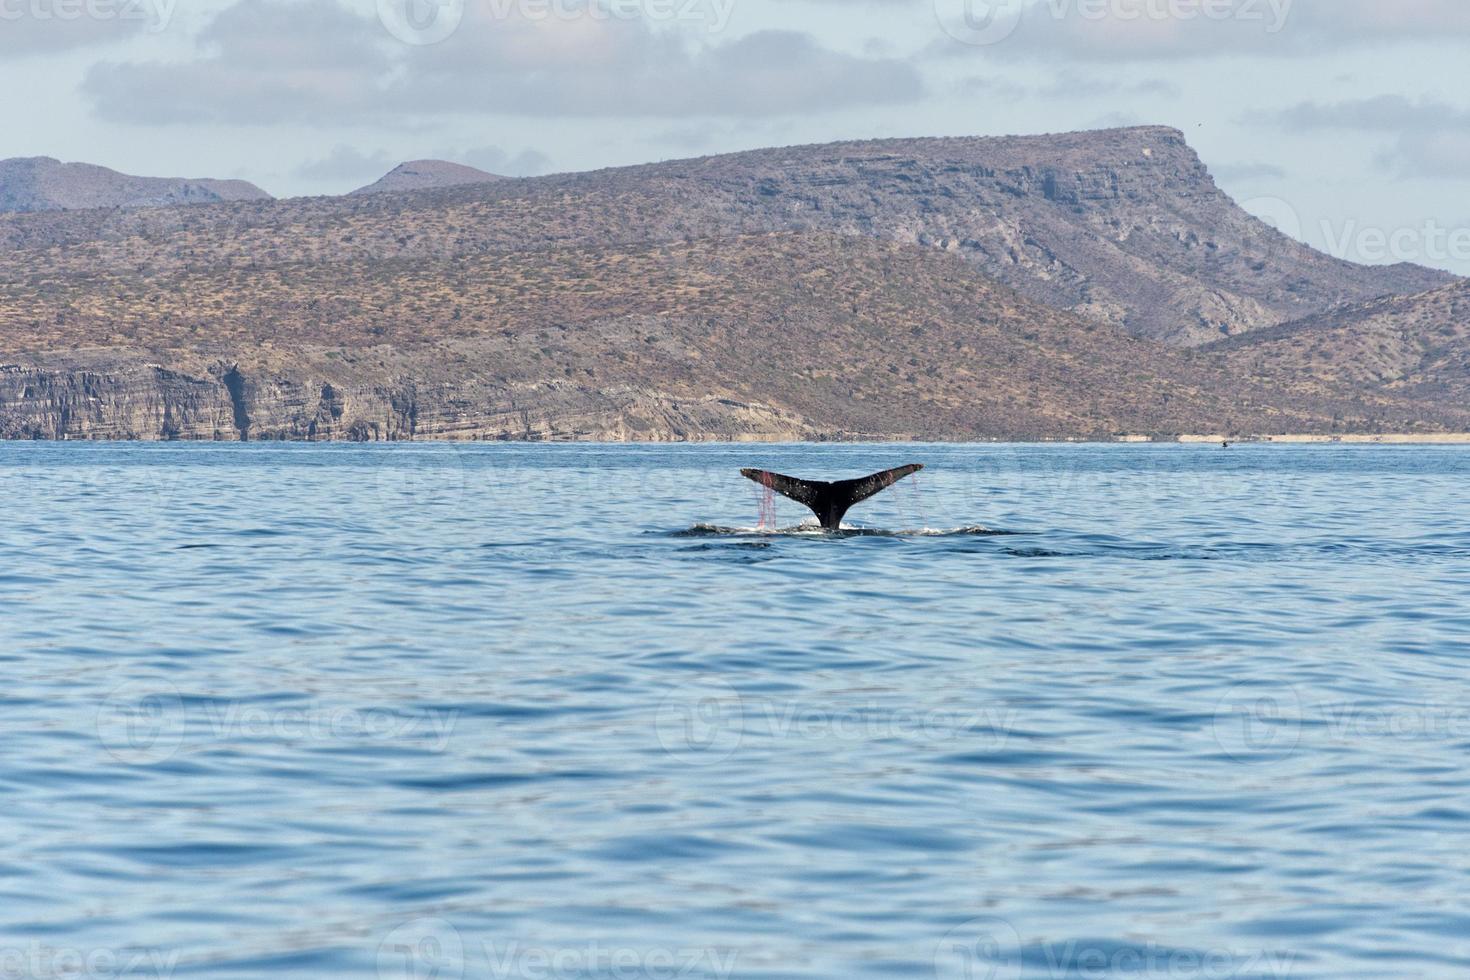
(1124, 226)
(948, 288)
(417, 175)
(38, 184)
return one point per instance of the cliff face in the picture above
(122, 397)
(118, 399)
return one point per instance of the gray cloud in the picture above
(347, 163)
(623, 69)
(1071, 85)
(1443, 155)
(1247, 172)
(1385, 113)
(267, 61)
(1431, 139)
(526, 163)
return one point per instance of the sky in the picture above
(1344, 122)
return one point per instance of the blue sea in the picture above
(547, 711)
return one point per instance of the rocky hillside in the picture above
(418, 175)
(43, 184)
(1416, 346)
(1024, 287)
(764, 336)
(1122, 226)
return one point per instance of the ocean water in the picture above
(527, 711)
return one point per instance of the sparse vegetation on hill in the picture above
(1036, 287)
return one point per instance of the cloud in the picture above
(1135, 30)
(268, 61)
(347, 163)
(1431, 139)
(1247, 172)
(1443, 155)
(621, 67)
(1385, 113)
(526, 163)
(1071, 86)
(263, 61)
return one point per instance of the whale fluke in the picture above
(830, 501)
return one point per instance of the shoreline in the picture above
(847, 439)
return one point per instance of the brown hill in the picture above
(418, 175)
(1411, 346)
(761, 336)
(955, 288)
(1123, 226)
(43, 184)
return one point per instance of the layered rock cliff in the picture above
(124, 395)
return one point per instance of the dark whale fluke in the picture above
(830, 501)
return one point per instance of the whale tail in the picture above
(830, 501)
